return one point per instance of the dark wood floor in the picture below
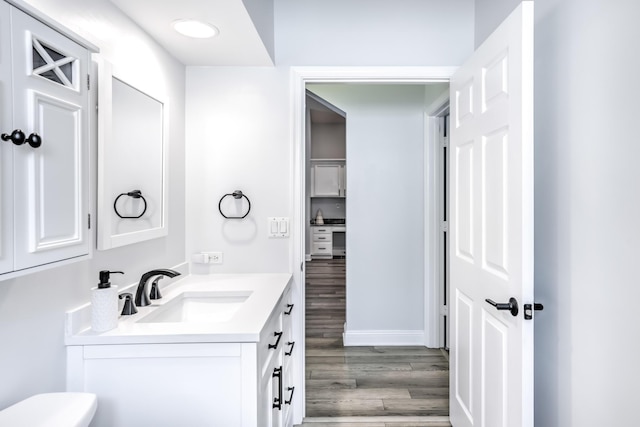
(359, 384)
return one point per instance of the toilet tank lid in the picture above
(68, 409)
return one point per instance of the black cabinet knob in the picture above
(34, 140)
(18, 138)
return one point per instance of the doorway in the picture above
(429, 75)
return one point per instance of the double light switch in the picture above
(278, 226)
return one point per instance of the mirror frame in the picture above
(106, 235)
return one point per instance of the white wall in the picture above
(239, 120)
(332, 207)
(328, 140)
(587, 210)
(373, 32)
(385, 213)
(261, 13)
(238, 130)
(32, 352)
(489, 14)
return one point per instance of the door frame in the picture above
(299, 78)
(435, 253)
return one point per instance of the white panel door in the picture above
(6, 147)
(51, 182)
(491, 251)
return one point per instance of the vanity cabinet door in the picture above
(48, 98)
(272, 395)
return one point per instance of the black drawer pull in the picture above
(277, 401)
(290, 307)
(278, 335)
(292, 344)
(291, 389)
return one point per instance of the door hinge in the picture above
(444, 226)
(89, 221)
(88, 82)
(302, 266)
(444, 310)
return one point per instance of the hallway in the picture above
(365, 381)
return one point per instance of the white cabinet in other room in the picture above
(328, 179)
(44, 151)
(322, 242)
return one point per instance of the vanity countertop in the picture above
(244, 326)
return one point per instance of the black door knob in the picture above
(512, 305)
(17, 137)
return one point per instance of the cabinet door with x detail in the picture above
(51, 170)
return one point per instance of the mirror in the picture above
(132, 162)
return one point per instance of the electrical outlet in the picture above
(215, 257)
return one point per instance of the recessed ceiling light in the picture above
(195, 29)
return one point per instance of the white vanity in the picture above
(217, 350)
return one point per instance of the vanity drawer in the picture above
(272, 340)
(276, 333)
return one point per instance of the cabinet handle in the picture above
(291, 389)
(290, 307)
(18, 138)
(278, 335)
(322, 238)
(277, 401)
(322, 249)
(292, 344)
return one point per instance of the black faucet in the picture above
(142, 298)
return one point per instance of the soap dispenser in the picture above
(104, 303)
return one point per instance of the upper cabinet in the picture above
(44, 151)
(328, 178)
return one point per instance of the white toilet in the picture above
(51, 410)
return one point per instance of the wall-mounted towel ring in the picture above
(136, 194)
(236, 195)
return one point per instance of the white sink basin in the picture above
(198, 307)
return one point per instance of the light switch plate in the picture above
(278, 226)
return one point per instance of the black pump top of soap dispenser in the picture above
(104, 278)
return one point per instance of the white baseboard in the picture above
(380, 338)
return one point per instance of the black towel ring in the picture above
(136, 194)
(236, 195)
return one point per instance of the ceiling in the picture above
(239, 41)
